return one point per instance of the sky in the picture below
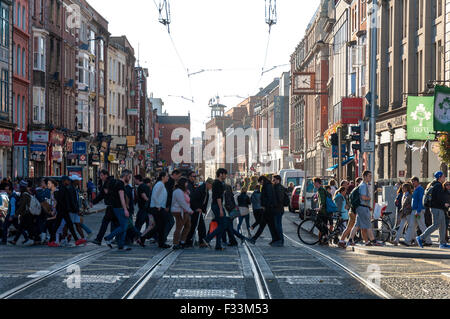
(208, 34)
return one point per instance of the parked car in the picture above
(297, 202)
(309, 190)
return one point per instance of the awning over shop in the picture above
(346, 162)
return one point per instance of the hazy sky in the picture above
(208, 34)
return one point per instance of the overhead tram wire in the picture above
(165, 19)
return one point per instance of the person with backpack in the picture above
(405, 211)
(417, 217)
(256, 207)
(360, 201)
(435, 198)
(24, 215)
(244, 204)
(63, 208)
(106, 193)
(282, 200)
(267, 204)
(120, 209)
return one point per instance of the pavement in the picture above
(390, 250)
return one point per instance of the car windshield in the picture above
(297, 181)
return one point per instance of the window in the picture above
(14, 108)
(18, 106)
(92, 42)
(23, 114)
(4, 91)
(83, 71)
(4, 26)
(18, 51)
(102, 82)
(24, 19)
(39, 105)
(101, 48)
(18, 14)
(24, 64)
(39, 53)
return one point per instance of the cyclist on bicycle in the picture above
(322, 215)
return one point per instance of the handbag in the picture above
(235, 213)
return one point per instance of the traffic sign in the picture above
(82, 159)
(368, 147)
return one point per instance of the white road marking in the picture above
(205, 293)
(201, 277)
(100, 279)
(312, 280)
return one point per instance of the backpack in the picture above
(428, 197)
(35, 206)
(355, 199)
(4, 205)
(331, 205)
(230, 203)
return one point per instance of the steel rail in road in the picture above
(261, 283)
(51, 272)
(150, 269)
(370, 285)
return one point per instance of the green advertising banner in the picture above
(420, 118)
(442, 109)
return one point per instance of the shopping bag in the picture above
(213, 226)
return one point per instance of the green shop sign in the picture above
(442, 109)
(420, 118)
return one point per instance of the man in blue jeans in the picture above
(218, 190)
(120, 208)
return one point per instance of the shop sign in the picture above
(20, 138)
(131, 141)
(442, 109)
(38, 148)
(57, 138)
(79, 148)
(6, 137)
(75, 171)
(39, 136)
(111, 158)
(352, 110)
(420, 118)
(82, 160)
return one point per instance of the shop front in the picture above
(20, 157)
(5, 152)
(56, 153)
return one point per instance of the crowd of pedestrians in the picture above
(50, 213)
(353, 203)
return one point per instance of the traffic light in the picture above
(356, 136)
(334, 139)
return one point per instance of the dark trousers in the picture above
(197, 222)
(279, 226)
(232, 232)
(169, 222)
(218, 232)
(141, 219)
(268, 219)
(25, 225)
(258, 213)
(7, 223)
(109, 217)
(59, 217)
(160, 225)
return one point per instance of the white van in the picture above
(295, 176)
(308, 189)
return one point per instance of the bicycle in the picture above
(387, 232)
(309, 230)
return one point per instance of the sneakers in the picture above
(125, 248)
(419, 241)
(81, 241)
(350, 243)
(53, 244)
(97, 242)
(342, 244)
(108, 243)
(444, 246)
(29, 242)
(205, 242)
(395, 242)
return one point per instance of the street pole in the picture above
(373, 86)
(339, 177)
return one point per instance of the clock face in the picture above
(304, 81)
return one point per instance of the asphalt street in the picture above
(290, 272)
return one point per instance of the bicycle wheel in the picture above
(383, 231)
(308, 232)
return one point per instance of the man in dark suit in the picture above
(199, 204)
